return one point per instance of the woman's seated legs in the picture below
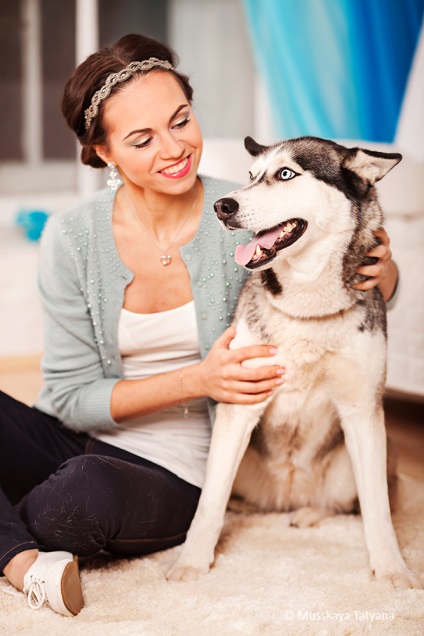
(96, 502)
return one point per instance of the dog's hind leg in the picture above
(230, 437)
(365, 437)
(336, 494)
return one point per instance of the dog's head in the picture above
(301, 190)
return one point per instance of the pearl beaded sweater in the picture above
(82, 282)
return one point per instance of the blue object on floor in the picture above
(32, 223)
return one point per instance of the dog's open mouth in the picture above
(265, 245)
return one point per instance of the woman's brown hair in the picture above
(91, 75)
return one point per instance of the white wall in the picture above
(410, 131)
(210, 37)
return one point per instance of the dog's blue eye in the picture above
(251, 177)
(285, 174)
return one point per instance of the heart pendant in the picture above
(165, 259)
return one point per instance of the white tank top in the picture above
(156, 343)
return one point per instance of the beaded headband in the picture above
(99, 96)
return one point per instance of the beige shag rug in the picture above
(268, 579)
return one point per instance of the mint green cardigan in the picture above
(82, 281)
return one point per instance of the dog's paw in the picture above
(401, 580)
(308, 516)
(185, 572)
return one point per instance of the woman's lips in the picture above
(179, 169)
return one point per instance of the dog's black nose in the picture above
(225, 208)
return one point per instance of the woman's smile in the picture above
(178, 170)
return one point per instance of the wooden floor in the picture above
(405, 426)
(21, 378)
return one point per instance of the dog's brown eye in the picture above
(251, 177)
(285, 174)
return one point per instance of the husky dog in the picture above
(320, 443)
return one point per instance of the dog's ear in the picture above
(253, 148)
(369, 164)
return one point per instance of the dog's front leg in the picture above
(230, 438)
(365, 437)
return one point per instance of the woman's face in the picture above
(152, 134)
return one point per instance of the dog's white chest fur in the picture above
(299, 431)
(314, 352)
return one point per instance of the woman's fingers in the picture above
(253, 351)
(365, 285)
(372, 271)
(377, 271)
(243, 353)
(246, 398)
(249, 393)
(257, 383)
(246, 374)
(375, 274)
(225, 339)
(381, 252)
(262, 373)
(225, 378)
(258, 387)
(382, 236)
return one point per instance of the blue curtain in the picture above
(335, 68)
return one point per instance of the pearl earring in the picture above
(114, 181)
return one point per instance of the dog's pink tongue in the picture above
(244, 253)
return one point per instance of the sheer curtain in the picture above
(335, 68)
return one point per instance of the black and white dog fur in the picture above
(319, 442)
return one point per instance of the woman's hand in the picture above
(223, 377)
(384, 272)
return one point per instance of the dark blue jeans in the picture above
(61, 490)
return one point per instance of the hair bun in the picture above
(89, 157)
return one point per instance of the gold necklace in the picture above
(165, 257)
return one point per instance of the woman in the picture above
(138, 286)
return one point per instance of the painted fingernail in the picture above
(273, 350)
(280, 371)
(279, 381)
